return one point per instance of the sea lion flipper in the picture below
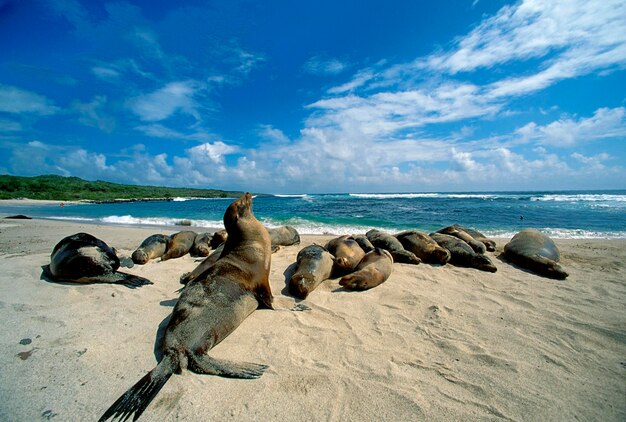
(128, 280)
(205, 364)
(138, 397)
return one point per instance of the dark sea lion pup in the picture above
(209, 309)
(314, 265)
(201, 245)
(423, 246)
(373, 270)
(152, 247)
(462, 254)
(83, 258)
(535, 251)
(388, 242)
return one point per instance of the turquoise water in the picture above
(571, 214)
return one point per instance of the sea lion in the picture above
(314, 265)
(489, 243)
(479, 247)
(201, 244)
(152, 247)
(535, 251)
(209, 309)
(284, 236)
(203, 266)
(180, 245)
(218, 238)
(423, 246)
(374, 269)
(462, 254)
(363, 242)
(388, 242)
(83, 258)
(347, 253)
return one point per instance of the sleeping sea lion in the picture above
(535, 251)
(284, 236)
(479, 247)
(462, 254)
(374, 269)
(152, 247)
(209, 309)
(218, 238)
(83, 258)
(180, 245)
(347, 253)
(388, 242)
(201, 245)
(363, 242)
(423, 246)
(314, 265)
(489, 243)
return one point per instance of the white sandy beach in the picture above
(432, 343)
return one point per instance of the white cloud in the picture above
(270, 133)
(16, 100)
(606, 123)
(164, 102)
(321, 65)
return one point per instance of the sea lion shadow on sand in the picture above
(46, 275)
(289, 271)
(160, 335)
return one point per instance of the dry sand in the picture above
(432, 343)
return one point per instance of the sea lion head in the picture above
(485, 264)
(238, 210)
(140, 257)
(554, 270)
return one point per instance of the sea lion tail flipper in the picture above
(129, 280)
(139, 396)
(204, 364)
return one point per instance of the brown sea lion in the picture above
(152, 247)
(374, 269)
(347, 253)
(201, 245)
(388, 242)
(284, 236)
(535, 251)
(209, 309)
(479, 247)
(363, 242)
(462, 254)
(180, 244)
(83, 258)
(314, 265)
(423, 246)
(489, 243)
(218, 238)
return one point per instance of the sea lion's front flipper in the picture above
(204, 364)
(118, 277)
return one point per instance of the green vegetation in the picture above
(59, 188)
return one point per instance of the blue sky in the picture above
(314, 97)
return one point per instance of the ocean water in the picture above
(571, 214)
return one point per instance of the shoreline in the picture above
(431, 343)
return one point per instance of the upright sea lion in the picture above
(363, 242)
(374, 269)
(489, 243)
(180, 245)
(347, 253)
(423, 246)
(314, 265)
(479, 247)
(462, 254)
(83, 258)
(209, 309)
(284, 236)
(388, 242)
(152, 247)
(535, 251)
(201, 245)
